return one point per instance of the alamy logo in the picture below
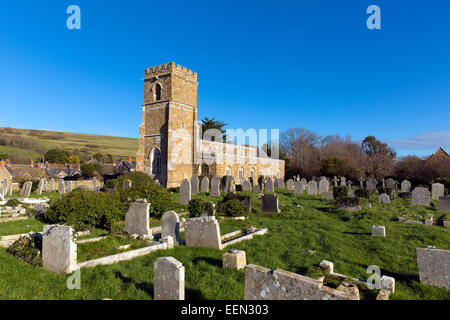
(374, 21)
(74, 20)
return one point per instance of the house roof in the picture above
(440, 153)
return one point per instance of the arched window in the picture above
(158, 92)
(228, 171)
(205, 170)
(155, 161)
(241, 173)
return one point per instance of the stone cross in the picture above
(335, 181)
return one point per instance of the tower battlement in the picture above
(170, 67)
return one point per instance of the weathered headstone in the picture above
(420, 197)
(68, 186)
(298, 187)
(304, 183)
(202, 232)
(230, 185)
(269, 185)
(437, 191)
(324, 185)
(384, 198)
(246, 186)
(26, 189)
(94, 184)
(270, 204)
(215, 186)
(290, 184)
(234, 259)
(194, 185)
(343, 181)
(371, 185)
(170, 225)
(168, 279)
(51, 185)
(391, 183)
(444, 204)
(59, 250)
(434, 267)
(137, 219)
(205, 185)
(279, 183)
(185, 192)
(406, 186)
(312, 188)
(378, 231)
(40, 187)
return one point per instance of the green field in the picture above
(118, 147)
(308, 230)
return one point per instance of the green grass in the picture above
(21, 226)
(116, 146)
(305, 223)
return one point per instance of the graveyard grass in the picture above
(308, 230)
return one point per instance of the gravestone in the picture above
(215, 186)
(406, 186)
(68, 186)
(391, 183)
(51, 185)
(378, 231)
(270, 204)
(246, 186)
(434, 267)
(26, 189)
(371, 185)
(59, 250)
(361, 183)
(343, 181)
(202, 232)
(185, 192)
(94, 184)
(194, 185)
(40, 187)
(298, 187)
(444, 204)
(269, 185)
(137, 219)
(384, 198)
(312, 188)
(327, 195)
(324, 185)
(304, 183)
(205, 185)
(335, 181)
(279, 183)
(437, 191)
(230, 185)
(170, 225)
(2, 195)
(290, 184)
(256, 188)
(168, 279)
(234, 259)
(420, 197)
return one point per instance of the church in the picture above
(171, 146)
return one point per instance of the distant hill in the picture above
(21, 145)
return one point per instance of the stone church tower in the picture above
(169, 123)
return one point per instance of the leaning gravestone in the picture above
(384, 198)
(298, 187)
(290, 184)
(420, 197)
(26, 189)
(40, 187)
(205, 185)
(185, 192)
(324, 185)
(168, 279)
(194, 185)
(246, 186)
(312, 188)
(137, 219)
(269, 185)
(406, 186)
(170, 226)
(270, 204)
(437, 191)
(215, 186)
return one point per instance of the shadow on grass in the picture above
(144, 286)
(211, 261)
(193, 294)
(358, 233)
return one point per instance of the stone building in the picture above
(171, 146)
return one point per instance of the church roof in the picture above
(440, 153)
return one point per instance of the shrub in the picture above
(196, 207)
(362, 193)
(234, 208)
(143, 187)
(27, 248)
(12, 203)
(239, 187)
(83, 208)
(340, 192)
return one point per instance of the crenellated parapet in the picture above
(170, 67)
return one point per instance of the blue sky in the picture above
(260, 64)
